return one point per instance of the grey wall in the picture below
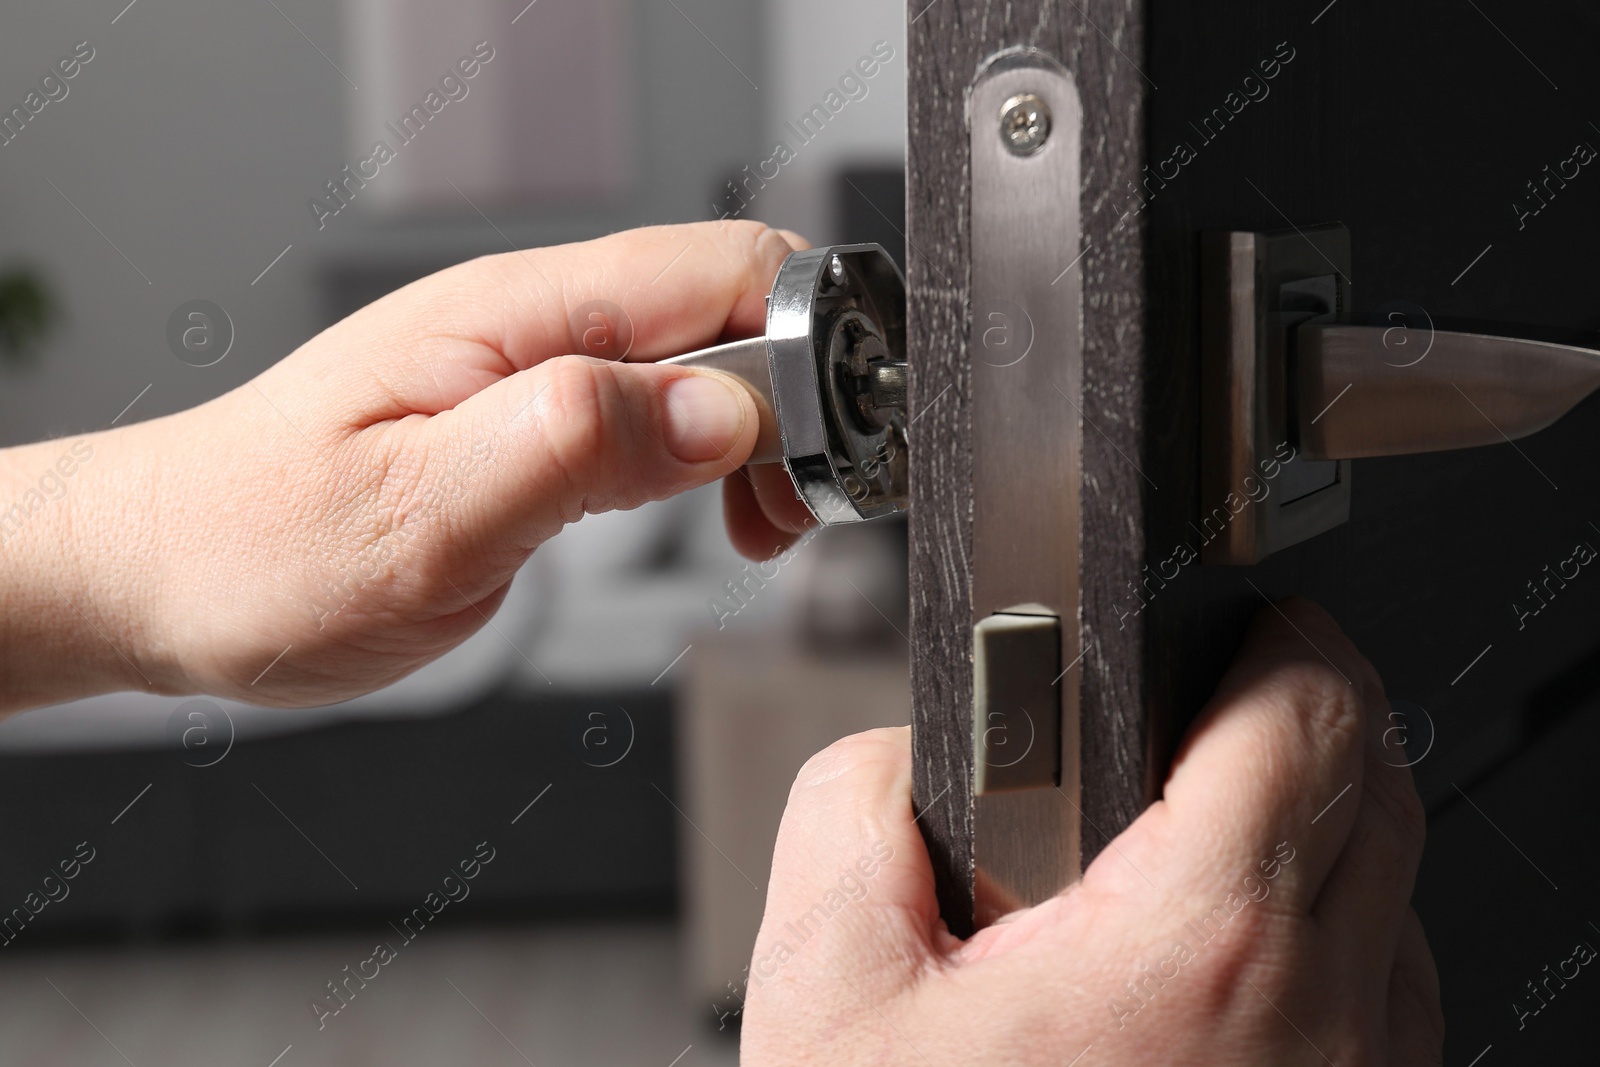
(811, 44)
(183, 141)
(196, 135)
(194, 139)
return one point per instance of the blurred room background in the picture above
(621, 747)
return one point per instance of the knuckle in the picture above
(1244, 971)
(748, 233)
(1259, 931)
(1316, 696)
(1384, 867)
(460, 294)
(571, 411)
(761, 246)
(1404, 818)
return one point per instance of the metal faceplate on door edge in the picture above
(1025, 120)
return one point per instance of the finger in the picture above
(851, 889)
(774, 491)
(798, 243)
(753, 534)
(1416, 1019)
(1254, 790)
(657, 292)
(1367, 896)
(578, 436)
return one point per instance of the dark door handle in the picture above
(1291, 393)
(1356, 397)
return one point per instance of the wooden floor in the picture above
(593, 996)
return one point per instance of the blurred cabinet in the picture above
(752, 710)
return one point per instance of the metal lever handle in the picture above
(1466, 390)
(747, 361)
(884, 397)
(1281, 366)
(830, 380)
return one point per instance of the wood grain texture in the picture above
(949, 41)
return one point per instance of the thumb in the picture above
(577, 435)
(851, 891)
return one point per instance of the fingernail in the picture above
(704, 417)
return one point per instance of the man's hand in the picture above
(1257, 914)
(361, 507)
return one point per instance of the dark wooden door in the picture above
(1432, 131)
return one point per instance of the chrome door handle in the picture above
(1355, 400)
(830, 379)
(748, 361)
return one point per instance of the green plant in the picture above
(27, 313)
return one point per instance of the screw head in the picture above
(1025, 123)
(836, 271)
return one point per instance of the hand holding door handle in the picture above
(830, 380)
